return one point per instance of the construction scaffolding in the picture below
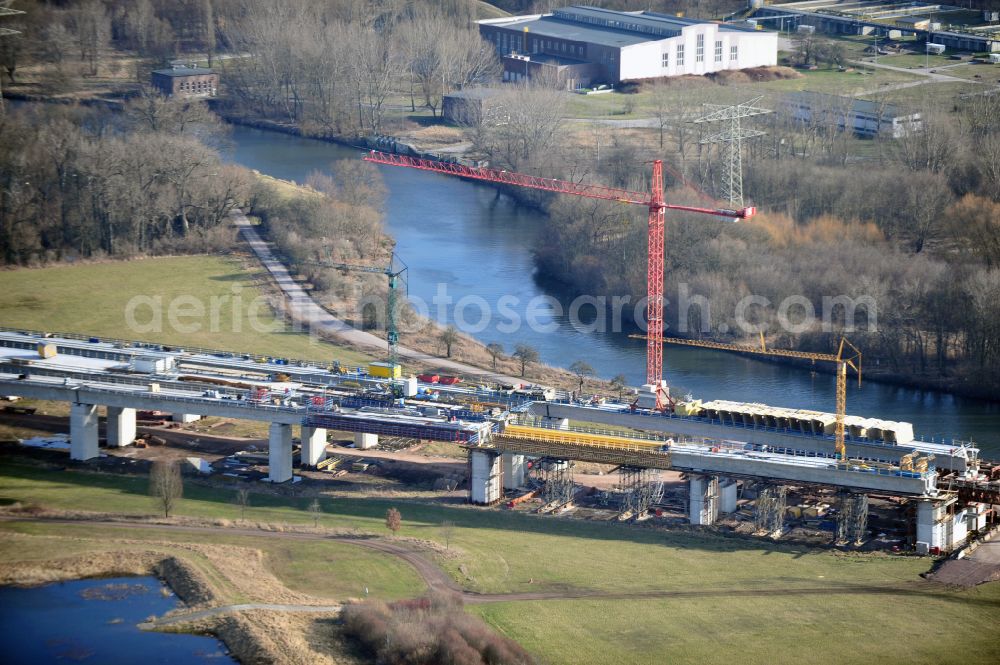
(852, 520)
(557, 483)
(639, 489)
(770, 516)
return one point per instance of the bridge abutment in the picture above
(120, 426)
(279, 453)
(83, 431)
(313, 445)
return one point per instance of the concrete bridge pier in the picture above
(82, 431)
(728, 494)
(313, 445)
(485, 477)
(120, 426)
(365, 441)
(941, 526)
(185, 417)
(279, 452)
(513, 471)
(703, 501)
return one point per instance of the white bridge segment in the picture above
(954, 458)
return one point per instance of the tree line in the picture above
(911, 223)
(82, 183)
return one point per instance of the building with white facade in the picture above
(587, 45)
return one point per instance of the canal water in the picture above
(461, 237)
(95, 621)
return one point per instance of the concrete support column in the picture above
(703, 503)
(484, 481)
(513, 471)
(82, 431)
(313, 445)
(364, 441)
(930, 532)
(185, 417)
(120, 427)
(279, 449)
(555, 423)
(727, 495)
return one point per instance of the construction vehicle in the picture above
(842, 362)
(652, 199)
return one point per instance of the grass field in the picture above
(95, 298)
(725, 612)
(331, 570)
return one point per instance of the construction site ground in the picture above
(437, 472)
(555, 585)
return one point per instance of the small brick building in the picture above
(186, 81)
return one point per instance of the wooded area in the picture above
(911, 222)
(78, 183)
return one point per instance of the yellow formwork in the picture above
(580, 438)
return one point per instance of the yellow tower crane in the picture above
(852, 359)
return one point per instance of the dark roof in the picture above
(606, 27)
(184, 71)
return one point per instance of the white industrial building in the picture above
(587, 45)
(861, 116)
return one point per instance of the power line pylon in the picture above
(732, 139)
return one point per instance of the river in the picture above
(461, 236)
(95, 621)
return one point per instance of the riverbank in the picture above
(950, 385)
(192, 572)
(421, 338)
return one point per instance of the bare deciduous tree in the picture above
(316, 510)
(449, 337)
(393, 520)
(166, 485)
(525, 356)
(243, 501)
(495, 350)
(582, 371)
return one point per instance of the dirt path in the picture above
(437, 579)
(198, 615)
(304, 309)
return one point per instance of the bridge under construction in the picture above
(503, 429)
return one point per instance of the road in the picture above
(305, 310)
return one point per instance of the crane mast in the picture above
(652, 199)
(391, 327)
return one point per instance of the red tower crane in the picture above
(652, 200)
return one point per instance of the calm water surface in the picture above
(461, 235)
(94, 621)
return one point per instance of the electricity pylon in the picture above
(732, 139)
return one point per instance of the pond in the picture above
(95, 621)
